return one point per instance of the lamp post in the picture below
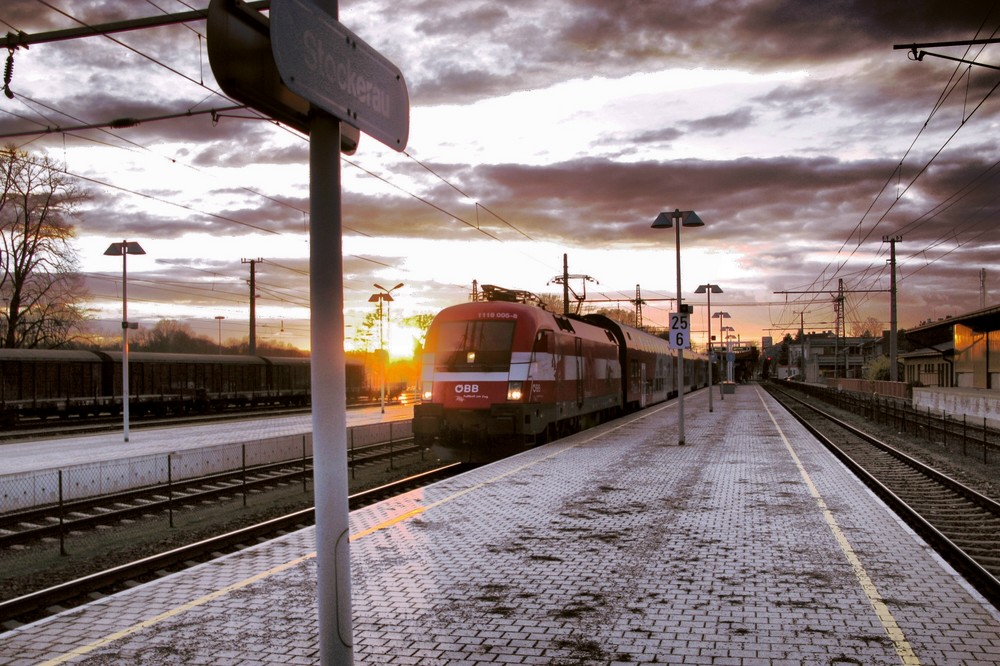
(124, 249)
(677, 219)
(709, 289)
(383, 295)
(219, 319)
(730, 331)
(720, 316)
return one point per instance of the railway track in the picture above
(960, 523)
(64, 427)
(34, 606)
(55, 521)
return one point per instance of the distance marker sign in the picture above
(680, 330)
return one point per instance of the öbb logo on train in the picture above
(466, 388)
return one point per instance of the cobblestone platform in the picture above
(749, 545)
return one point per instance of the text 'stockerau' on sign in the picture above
(327, 64)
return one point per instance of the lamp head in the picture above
(662, 221)
(687, 218)
(125, 247)
(713, 288)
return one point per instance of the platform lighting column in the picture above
(720, 316)
(730, 336)
(383, 295)
(124, 249)
(709, 289)
(676, 219)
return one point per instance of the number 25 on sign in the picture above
(679, 327)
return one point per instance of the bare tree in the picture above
(39, 285)
(871, 327)
(625, 316)
(421, 322)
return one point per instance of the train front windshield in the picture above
(482, 346)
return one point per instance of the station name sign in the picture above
(322, 61)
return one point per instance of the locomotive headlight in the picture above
(427, 391)
(514, 391)
(470, 357)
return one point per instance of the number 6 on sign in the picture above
(679, 325)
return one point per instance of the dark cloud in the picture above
(796, 212)
(721, 124)
(617, 38)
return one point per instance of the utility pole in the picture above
(839, 312)
(638, 307)
(253, 303)
(564, 281)
(838, 306)
(893, 347)
(802, 340)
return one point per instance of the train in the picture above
(37, 384)
(504, 374)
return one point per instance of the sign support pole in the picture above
(329, 418)
(271, 64)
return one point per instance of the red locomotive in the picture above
(503, 372)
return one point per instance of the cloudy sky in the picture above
(540, 128)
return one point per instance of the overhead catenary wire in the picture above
(112, 124)
(825, 279)
(93, 30)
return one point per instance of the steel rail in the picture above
(185, 491)
(205, 550)
(984, 581)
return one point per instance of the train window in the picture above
(474, 345)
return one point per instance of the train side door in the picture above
(578, 352)
(543, 368)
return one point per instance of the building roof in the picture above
(936, 333)
(944, 349)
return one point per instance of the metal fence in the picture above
(47, 487)
(51, 499)
(974, 436)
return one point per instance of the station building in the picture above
(955, 365)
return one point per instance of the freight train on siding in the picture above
(501, 374)
(40, 384)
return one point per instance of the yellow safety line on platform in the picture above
(145, 624)
(889, 624)
(90, 647)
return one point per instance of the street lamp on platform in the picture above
(709, 289)
(386, 296)
(730, 336)
(677, 219)
(122, 250)
(720, 316)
